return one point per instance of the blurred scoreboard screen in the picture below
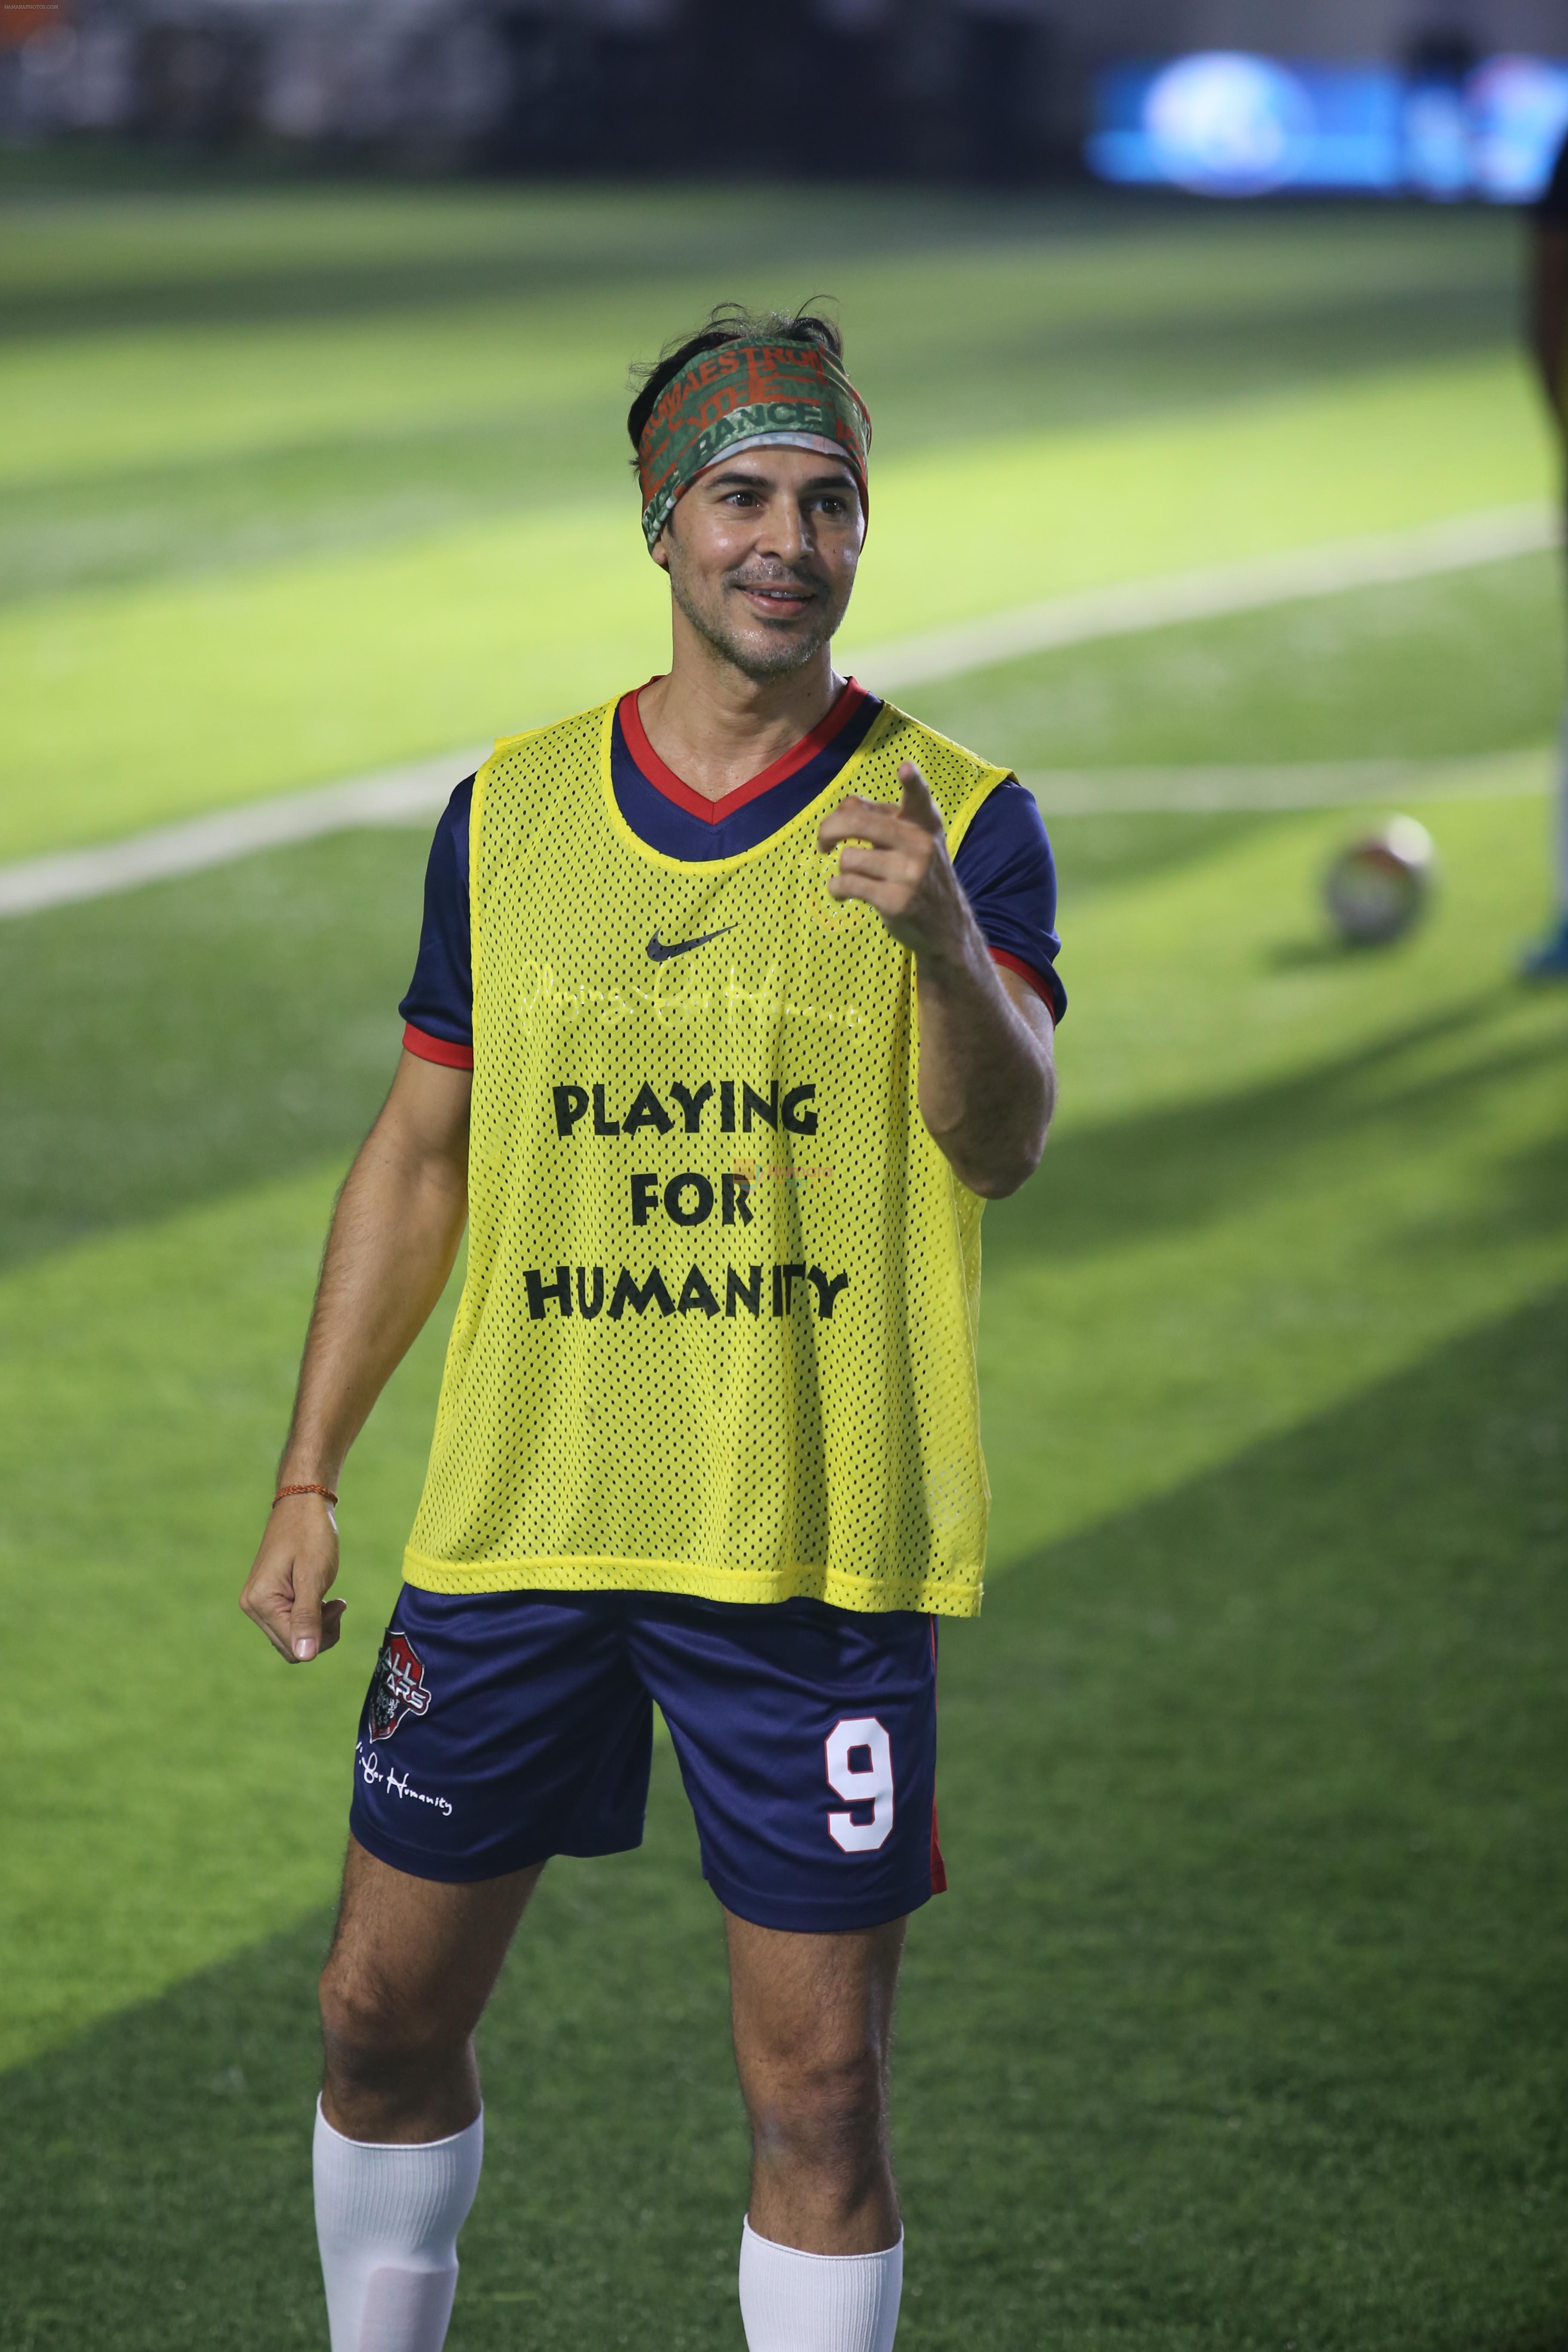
(1223, 123)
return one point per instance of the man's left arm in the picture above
(987, 1074)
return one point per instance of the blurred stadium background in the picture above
(1441, 97)
(1244, 2025)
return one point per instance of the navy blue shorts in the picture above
(502, 1728)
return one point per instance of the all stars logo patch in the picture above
(399, 1687)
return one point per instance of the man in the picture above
(710, 1047)
(1548, 331)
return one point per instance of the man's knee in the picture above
(824, 2109)
(371, 2028)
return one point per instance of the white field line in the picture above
(412, 795)
(395, 796)
(1302, 573)
(1320, 785)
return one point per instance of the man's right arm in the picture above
(394, 1238)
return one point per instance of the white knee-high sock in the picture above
(387, 2220)
(792, 2301)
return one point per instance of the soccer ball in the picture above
(1378, 887)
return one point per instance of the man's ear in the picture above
(660, 551)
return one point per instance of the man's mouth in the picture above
(774, 599)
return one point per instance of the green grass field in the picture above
(1243, 2024)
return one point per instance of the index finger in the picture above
(917, 806)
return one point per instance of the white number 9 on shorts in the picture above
(865, 1784)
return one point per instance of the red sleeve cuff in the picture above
(1027, 972)
(436, 1049)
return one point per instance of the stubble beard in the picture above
(759, 663)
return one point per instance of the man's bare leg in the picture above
(821, 2262)
(413, 1963)
(399, 2135)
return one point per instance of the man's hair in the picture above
(727, 322)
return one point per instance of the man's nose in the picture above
(786, 531)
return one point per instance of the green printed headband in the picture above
(738, 396)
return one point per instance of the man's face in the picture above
(760, 554)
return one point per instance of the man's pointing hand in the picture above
(896, 859)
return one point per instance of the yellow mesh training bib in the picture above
(717, 1332)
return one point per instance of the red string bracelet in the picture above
(327, 1491)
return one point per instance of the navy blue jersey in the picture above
(1003, 862)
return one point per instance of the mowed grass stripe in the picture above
(332, 403)
(146, 707)
(134, 342)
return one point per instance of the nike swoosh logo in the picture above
(657, 949)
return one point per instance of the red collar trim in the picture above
(665, 780)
